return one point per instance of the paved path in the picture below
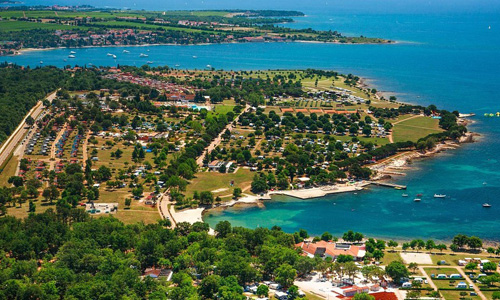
(218, 139)
(21, 130)
(431, 283)
(163, 208)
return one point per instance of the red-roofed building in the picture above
(329, 249)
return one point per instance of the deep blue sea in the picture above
(445, 55)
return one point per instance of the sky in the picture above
(337, 6)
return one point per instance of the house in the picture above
(157, 273)
(351, 291)
(330, 249)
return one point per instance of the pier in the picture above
(388, 184)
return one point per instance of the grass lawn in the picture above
(211, 181)
(146, 26)
(22, 212)
(389, 257)
(454, 295)
(23, 25)
(443, 270)
(415, 128)
(8, 169)
(453, 259)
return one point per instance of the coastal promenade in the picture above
(317, 192)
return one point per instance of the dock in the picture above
(388, 184)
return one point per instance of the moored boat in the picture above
(439, 196)
(71, 56)
(404, 195)
(486, 205)
(417, 200)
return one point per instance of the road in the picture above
(16, 137)
(216, 142)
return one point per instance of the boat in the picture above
(439, 196)
(143, 55)
(489, 27)
(404, 195)
(177, 65)
(109, 54)
(126, 51)
(41, 62)
(209, 66)
(114, 56)
(486, 205)
(194, 56)
(71, 56)
(149, 62)
(72, 52)
(417, 200)
(419, 195)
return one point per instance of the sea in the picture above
(447, 53)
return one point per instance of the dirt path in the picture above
(163, 208)
(85, 149)
(218, 139)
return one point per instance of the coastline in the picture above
(25, 50)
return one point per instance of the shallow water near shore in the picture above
(451, 60)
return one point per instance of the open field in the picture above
(23, 25)
(146, 26)
(8, 169)
(415, 128)
(454, 295)
(212, 181)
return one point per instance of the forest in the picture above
(20, 89)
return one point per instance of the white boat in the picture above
(114, 56)
(486, 205)
(109, 54)
(71, 56)
(439, 196)
(417, 200)
(177, 65)
(41, 62)
(126, 51)
(194, 56)
(149, 62)
(404, 195)
(72, 52)
(209, 66)
(143, 55)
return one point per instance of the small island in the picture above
(55, 26)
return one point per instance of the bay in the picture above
(448, 59)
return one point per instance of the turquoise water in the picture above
(448, 59)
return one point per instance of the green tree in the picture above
(285, 275)
(397, 271)
(262, 290)
(363, 296)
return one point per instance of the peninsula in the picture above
(49, 27)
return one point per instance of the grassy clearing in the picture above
(23, 25)
(415, 128)
(146, 26)
(389, 257)
(453, 259)
(444, 270)
(210, 181)
(453, 295)
(8, 169)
